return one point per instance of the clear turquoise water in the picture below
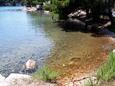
(22, 35)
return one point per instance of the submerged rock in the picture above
(30, 66)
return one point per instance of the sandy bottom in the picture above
(77, 54)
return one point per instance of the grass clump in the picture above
(89, 83)
(107, 71)
(46, 74)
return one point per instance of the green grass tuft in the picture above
(89, 83)
(107, 71)
(46, 74)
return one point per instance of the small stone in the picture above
(63, 65)
(113, 50)
(71, 63)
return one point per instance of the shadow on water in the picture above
(78, 26)
(75, 25)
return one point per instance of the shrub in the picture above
(47, 7)
(107, 71)
(46, 74)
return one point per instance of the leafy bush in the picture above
(46, 74)
(107, 71)
(47, 7)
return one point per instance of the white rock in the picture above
(17, 76)
(77, 13)
(22, 80)
(46, 12)
(4, 83)
(113, 50)
(2, 78)
(17, 80)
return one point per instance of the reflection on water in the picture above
(22, 35)
(10, 8)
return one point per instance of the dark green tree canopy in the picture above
(23, 2)
(96, 7)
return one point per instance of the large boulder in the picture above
(2, 78)
(23, 80)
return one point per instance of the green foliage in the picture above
(46, 74)
(5, 2)
(34, 2)
(96, 7)
(58, 6)
(47, 6)
(107, 71)
(23, 2)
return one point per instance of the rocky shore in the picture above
(27, 80)
(34, 9)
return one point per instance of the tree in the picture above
(23, 2)
(9, 2)
(94, 8)
(32, 2)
